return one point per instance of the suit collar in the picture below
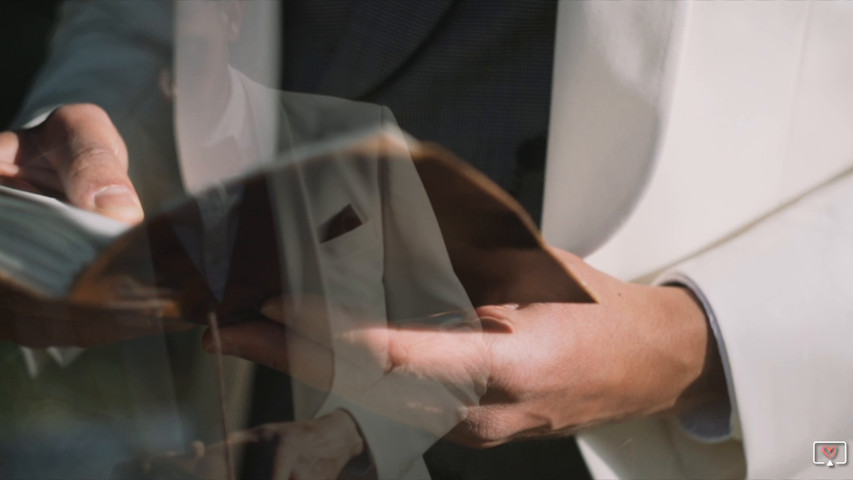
(381, 37)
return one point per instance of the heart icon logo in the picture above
(829, 451)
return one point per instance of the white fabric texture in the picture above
(753, 112)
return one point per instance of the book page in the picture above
(45, 242)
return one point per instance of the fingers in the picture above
(9, 147)
(452, 357)
(309, 317)
(438, 352)
(23, 167)
(274, 345)
(210, 461)
(256, 341)
(305, 314)
(79, 152)
(316, 448)
(91, 159)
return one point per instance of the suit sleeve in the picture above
(103, 52)
(784, 329)
(787, 337)
(111, 54)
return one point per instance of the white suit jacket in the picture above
(710, 142)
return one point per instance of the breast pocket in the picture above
(352, 258)
(346, 232)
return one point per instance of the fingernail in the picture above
(119, 202)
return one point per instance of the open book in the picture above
(55, 258)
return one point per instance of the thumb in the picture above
(88, 154)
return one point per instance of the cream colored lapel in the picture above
(609, 104)
(757, 116)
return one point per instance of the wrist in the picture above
(702, 378)
(348, 434)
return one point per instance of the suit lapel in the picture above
(379, 40)
(613, 69)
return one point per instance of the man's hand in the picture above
(76, 153)
(560, 368)
(549, 369)
(318, 448)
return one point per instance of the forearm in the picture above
(103, 52)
